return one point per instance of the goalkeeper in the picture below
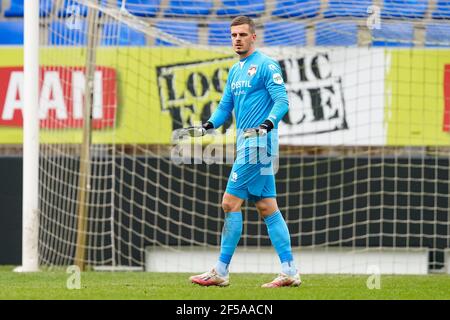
(256, 91)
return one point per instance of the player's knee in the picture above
(266, 208)
(230, 206)
(263, 209)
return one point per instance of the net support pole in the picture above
(30, 180)
(85, 157)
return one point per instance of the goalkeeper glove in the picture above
(263, 129)
(198, 131)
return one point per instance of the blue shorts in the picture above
(252, 180)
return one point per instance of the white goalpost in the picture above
(30, 199)
(364, 162)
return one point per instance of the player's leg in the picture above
(232, 201)
(231, 231)
(237, 190)
(281, 240)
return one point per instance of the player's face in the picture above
(243, 39)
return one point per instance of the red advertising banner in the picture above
(446, 126)
(61, 99)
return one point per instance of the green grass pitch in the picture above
(175, 286)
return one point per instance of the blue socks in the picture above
(289, 268)
(278, 233)
(231, 233)
(281, 240)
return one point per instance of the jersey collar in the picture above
(242, 61)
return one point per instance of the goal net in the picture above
(364, 149)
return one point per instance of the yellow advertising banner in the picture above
(140, 94)
(417, 97)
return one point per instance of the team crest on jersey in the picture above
(252, 70)
(277, 78)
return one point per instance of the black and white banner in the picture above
(336, 95)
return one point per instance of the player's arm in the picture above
(219, 116)
(274, 83)
(224, 109)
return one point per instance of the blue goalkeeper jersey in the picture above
(255, 90)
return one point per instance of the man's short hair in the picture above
(243, 20)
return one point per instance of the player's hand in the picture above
(261, 131)
(197, 131)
